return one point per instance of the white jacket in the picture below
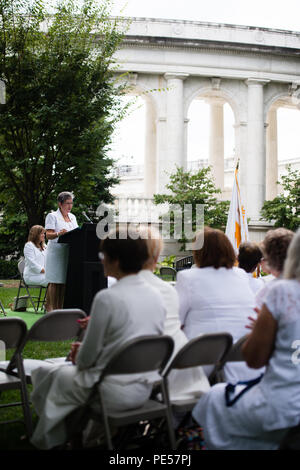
(34, 263)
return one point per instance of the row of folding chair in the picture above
(59, 325)
(139, 355)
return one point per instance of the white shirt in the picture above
(34, 263)
(55, 221)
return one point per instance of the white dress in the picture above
(128, 309)
(57, 254)
(214, 301)
(260, 418)
(35, 261)
(187, 383)
(256, 283)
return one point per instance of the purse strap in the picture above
(231, 387)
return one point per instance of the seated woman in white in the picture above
(128, 309)
(215, 296)
(260, 417)
(35, 257)
(187, 383)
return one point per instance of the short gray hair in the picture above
(62, 197)
(292, 262)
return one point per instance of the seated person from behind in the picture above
(274, 248)
(259, 418)
(187, 383)
(215, 296)
(35, 257)
(128, 309)
(249, 257)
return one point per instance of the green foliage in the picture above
(284, 209)
(8, 269)
(198, 188)
(167, 261)
(62, 105)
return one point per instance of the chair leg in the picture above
(2, 308)
(171, 432)
(31, 299)
(25, 399)
(106, 424)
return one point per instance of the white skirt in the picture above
(57, 257)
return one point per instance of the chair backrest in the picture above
(168, 271)
(12, 332)
(21, 265)
(184, 263)
(58, 325)
(201, 351)
(235, 352)
(141, 354)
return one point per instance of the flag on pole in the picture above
(236, 227)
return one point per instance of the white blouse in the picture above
(55, 221)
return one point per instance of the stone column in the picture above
(272, 155)
(150, 152)
(216, 141)
(175, 126)
(256, 155)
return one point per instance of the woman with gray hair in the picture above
(57, 223)
(258, 415)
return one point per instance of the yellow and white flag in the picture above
(237, 227)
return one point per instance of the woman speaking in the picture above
(58, 223)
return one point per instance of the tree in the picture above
(62, 105)
(284, 209)
(188, 188)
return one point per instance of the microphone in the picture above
(87, 218)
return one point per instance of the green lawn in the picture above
(12, 436)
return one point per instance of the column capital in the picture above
(179, 76)
(256, 81)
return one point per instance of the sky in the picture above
(278, 14)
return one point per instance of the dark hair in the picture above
(131, 253)
(249, 256)
(62, 197)
(275, 246)
(217, 250)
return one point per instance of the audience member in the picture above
(216, 296)
(274, 248)
(258, 416)
(35, 256)
(129, 308)
(187, 383)
(249, 257)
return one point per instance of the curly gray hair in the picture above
(292, 262)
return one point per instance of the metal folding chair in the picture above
(12, 334)
(40, 298)
(234, 355)
(168, 271)
(201, 351)
(142, 354)
(58, 325)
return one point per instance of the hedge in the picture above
(8, 269)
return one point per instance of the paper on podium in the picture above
(57, 262)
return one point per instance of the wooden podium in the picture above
(85, 275)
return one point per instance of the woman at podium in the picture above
(57, 223)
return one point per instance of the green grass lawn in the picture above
(12, 436)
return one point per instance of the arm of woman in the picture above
(259, 345)
(30, 258)
(183, 295)
(96, 333)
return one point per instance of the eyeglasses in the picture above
(101, 256)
